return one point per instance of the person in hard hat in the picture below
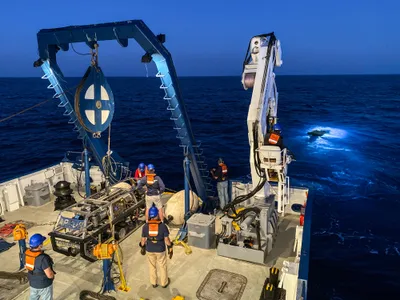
(275, 137)
(220, 174)
(155, 239)
(140, 171)
(40, 269)
(154, 187)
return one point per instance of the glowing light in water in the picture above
(323, 137)
(330, 132)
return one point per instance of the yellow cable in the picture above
(188, 250)
(123, 286)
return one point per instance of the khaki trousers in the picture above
(160, 259)
(156, 199)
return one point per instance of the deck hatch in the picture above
(222, 285)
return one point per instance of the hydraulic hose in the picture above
(260, 173)
(258, 234)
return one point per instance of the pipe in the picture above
(87, 173)
(22, 250)
(187, 178)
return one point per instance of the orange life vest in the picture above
(153, 230)
(273, 139)
(224, 170)
(30, 257)
(150, 178)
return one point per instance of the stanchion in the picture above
(108, 282)
(105, 253)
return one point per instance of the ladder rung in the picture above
(72, 120)
(63, 104)
(67, 113)
(172, 108)
(160, 75)
(199, 152)
(175, 118)
(163, 87)
(169, 98)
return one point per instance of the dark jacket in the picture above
(156, 243)
(157, 188)
(220, 176)
(37, 278)
(271, 140)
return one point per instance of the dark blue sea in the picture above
(353, 172)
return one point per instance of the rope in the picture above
(36, 105)
(109, 140)
(79, 53)
(25, 110)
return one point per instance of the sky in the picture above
(210, 37)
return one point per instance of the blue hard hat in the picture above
(141, 167)
(36, 240)
(150, 167)
(153, 212)
(277, 127)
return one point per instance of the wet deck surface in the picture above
(186, 272)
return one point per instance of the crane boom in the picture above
(263, 55)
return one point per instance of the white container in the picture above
(37, 194)
(201, 231)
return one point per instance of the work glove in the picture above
(142, 249)
(170, 251)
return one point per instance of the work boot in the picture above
(169, 281)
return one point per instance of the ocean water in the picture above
(353, 172)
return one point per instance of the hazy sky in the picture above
(210, 37)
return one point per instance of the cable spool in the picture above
(249, 79)
(94, 99)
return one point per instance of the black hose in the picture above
(89, 295)
(258, 234)
(260, 173)
(243, 213)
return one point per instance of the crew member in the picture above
(140, 171)
(275, 137)
(220, 174)
(155, 235)
(40, 269)
(154, 187)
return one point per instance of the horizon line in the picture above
(279, 75)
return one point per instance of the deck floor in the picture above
(186, 272)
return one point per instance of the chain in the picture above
(95, 55)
